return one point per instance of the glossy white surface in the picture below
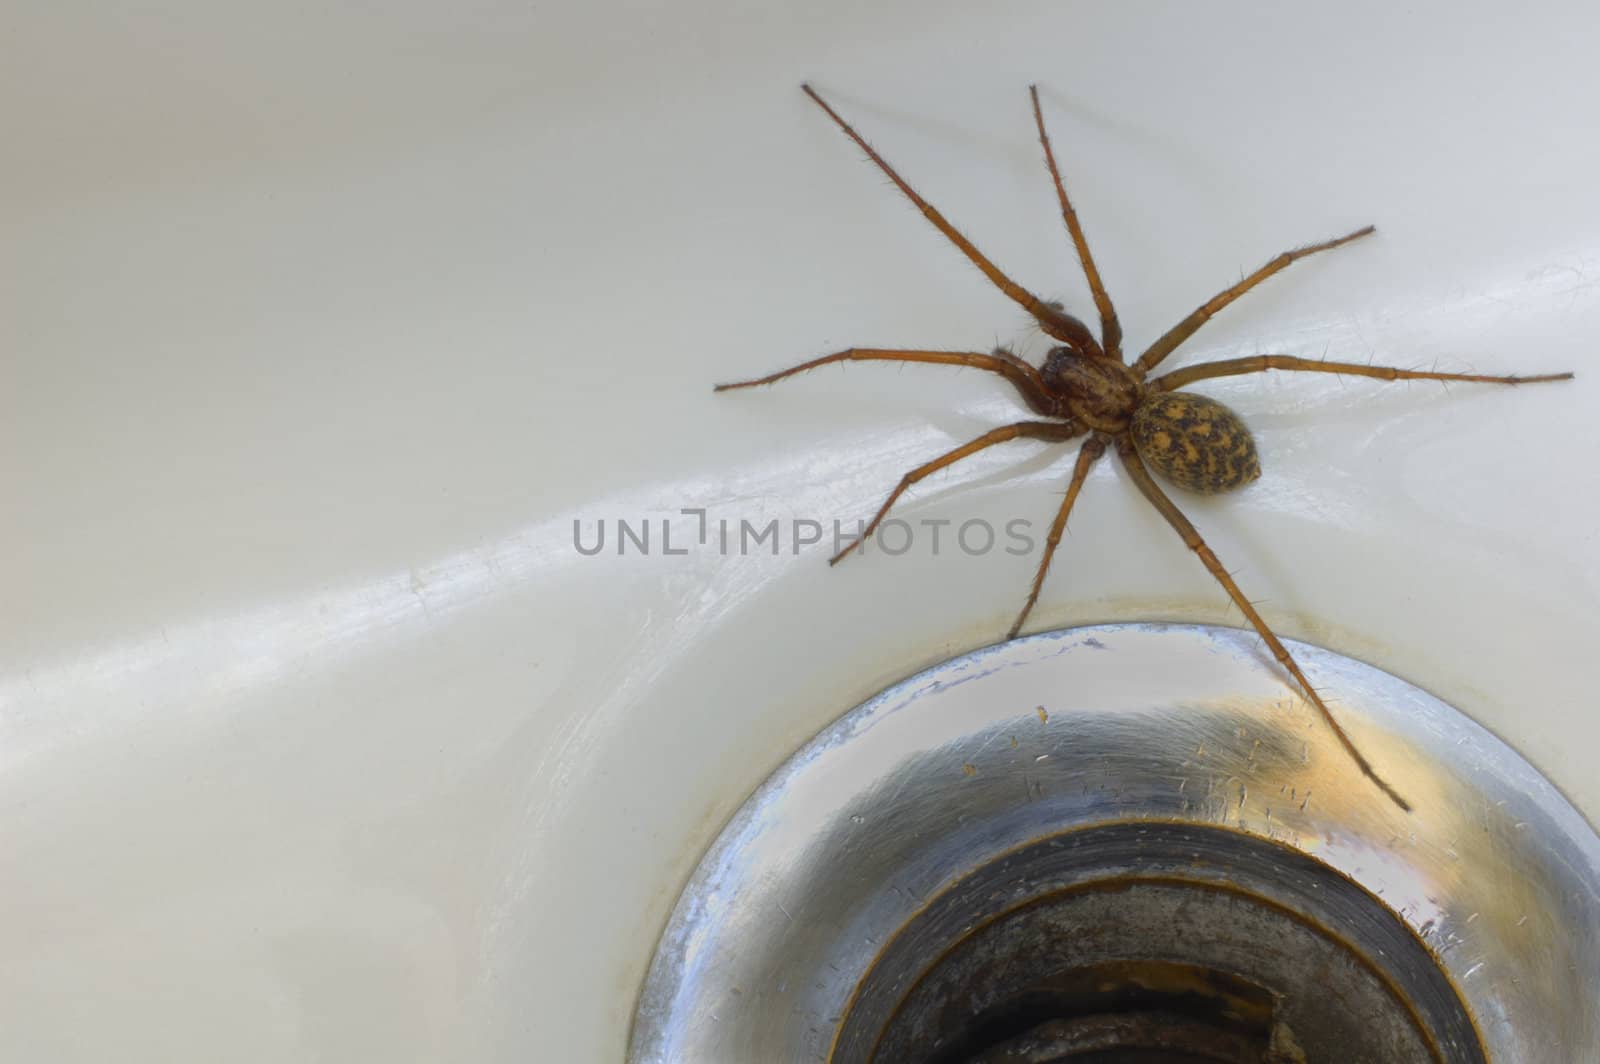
(319, 328)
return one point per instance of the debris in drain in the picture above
(1134, 1012)
(1154, 1038)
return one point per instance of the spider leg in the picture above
(1202, 314)
(1088, 454)
(1053, 321)
(1110, 327)
(1191, 538)
(1039, 430)
(1234, 367)
(1019, 373)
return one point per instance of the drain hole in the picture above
(1131, 1011)
(1133, 943)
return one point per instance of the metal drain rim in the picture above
(1496, 872)
(1253, 872)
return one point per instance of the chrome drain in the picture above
(1135, 843)
(1149, 936)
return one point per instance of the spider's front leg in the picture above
(1110, 327)
(1054, 321)
(1128, 452)
(1022, 376)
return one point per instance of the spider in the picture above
(1086, 388)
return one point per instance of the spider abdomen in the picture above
(1195, 442)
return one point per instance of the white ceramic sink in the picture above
(320, 329)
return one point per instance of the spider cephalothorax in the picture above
(1195, 442)
(1086, 389)
(1096, 391)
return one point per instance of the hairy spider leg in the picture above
(1038, 430)
(1110, 327)
(1088, 454)
(1191, 538)
(1023, 376)
(1202, 314)
(1053, 321)
(1234, 367)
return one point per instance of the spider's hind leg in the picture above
(1039, 430)
(1191, 538)
(1234, 367)
(1090, 453)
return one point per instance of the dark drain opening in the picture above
(1127, 1011)
(1155, 942)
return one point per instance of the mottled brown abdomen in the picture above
(1195, 442)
